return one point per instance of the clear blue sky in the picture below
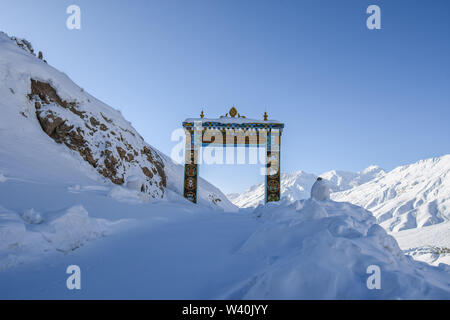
(350, 97)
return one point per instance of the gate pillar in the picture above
(273, 185)
(191, 166)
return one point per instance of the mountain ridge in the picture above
(406, 197)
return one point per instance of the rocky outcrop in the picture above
(114, 151)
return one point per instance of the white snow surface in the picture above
(407, 197)
(322, 249)
(307, 249)
(430, 244)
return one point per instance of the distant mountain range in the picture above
(407, 197)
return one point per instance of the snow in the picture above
(12, 229)
(322, 249)
(177, 250)
(406, 198)
(411, 196)
(320, 190)
(31, 237)
(297, 186)
(26, 152)
(32, 217)
(73, 228)
(430, 244)
(293, 187)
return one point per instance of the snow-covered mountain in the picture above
(51, 128)
(407, 197)
(410, 196)
(297, 186)
(293, 186)
(343, 180)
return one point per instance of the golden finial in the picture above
(233, 112)
(265, 116)
(202, 115)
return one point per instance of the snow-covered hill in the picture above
(51, 129)
(322, 250)
(430, 244)
(407, 197)
(303, 250)
(293, 186)
(296, 186)
(343, 180)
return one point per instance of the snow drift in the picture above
(322, 250)
(26, 237)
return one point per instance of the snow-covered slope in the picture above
(306, 249)
(430, 244)
(52, 130)
(296, 186)
(323, 249)
(407, 197)
(343, 180)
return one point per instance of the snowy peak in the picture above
(297, 186)
(344, 180)
(407, 197)
(293, 186)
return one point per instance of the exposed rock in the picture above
(24, 44)
(112, 153)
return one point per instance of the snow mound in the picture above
(72, 229)
(32, 217)
(320, 190)
(128, 195)
(12, 229)
(32, 235)
(322, 250)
